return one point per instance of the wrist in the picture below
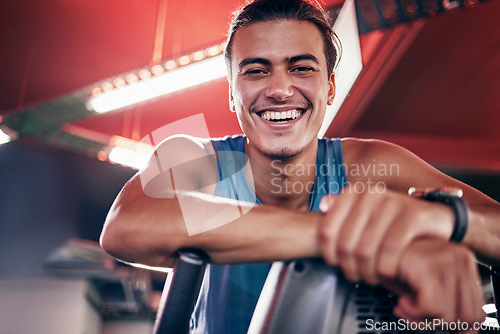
(451, 197)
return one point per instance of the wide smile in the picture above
(281, 116)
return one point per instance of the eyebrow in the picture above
(264, 61)
(303, 57)
(253, 60)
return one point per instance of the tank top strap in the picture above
(331, 175)
(231, 161)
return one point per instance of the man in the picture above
(281, 56)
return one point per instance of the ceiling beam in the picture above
(390, 47)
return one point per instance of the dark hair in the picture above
(301, 10)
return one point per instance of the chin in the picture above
(283, 153)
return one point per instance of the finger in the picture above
(351, 232)
(407, 309)
(329, 228)
(417, 219)
(471, 296)
(396, 239)
(450, 283)
(370, 241)
(403, 308)
(466, 304)
(426, 281)
(479, 297)
(430, 303)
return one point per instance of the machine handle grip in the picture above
(180, 292)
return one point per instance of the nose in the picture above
(279, 86)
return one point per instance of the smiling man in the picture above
(279, 93)
(247, 200)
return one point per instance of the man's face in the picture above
(280, 86)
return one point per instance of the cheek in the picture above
(245, 97)
(316, 93)
(237, 97)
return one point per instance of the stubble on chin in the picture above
(283, 154)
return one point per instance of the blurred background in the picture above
(428, 80)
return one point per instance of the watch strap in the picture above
(457, 204)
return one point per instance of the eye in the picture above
(302, 69)
(255, 72)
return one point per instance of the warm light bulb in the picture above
(144, 74)
(170, 65)
(107, 87)
(157, 70)
(184, 60)
(119, 82)
(132, 79)
(199, 55)
(213, 51)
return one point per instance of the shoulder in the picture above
(358, 150)
(379, 160)
(368, 160)
(184, 145)
(188, 160)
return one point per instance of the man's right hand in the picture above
(442, 282)
(366, 233)
(435, 278)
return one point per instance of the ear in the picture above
(331, 89)
(231, 100)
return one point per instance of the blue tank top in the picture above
(229, 293)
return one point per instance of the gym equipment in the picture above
(289, 305)
(308, 296)
(180, 292)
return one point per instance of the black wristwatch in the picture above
(453, 198)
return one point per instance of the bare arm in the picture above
(403, 170)
(147, 223)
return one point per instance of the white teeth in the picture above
(272, 115)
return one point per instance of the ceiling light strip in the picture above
(128, 152)
(186, 71)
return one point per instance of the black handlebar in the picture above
(180, 292)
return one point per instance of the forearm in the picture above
(483, 235)
(149, 231)
(265, 233)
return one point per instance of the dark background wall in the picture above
(48, 196)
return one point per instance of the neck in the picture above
(284, 182)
